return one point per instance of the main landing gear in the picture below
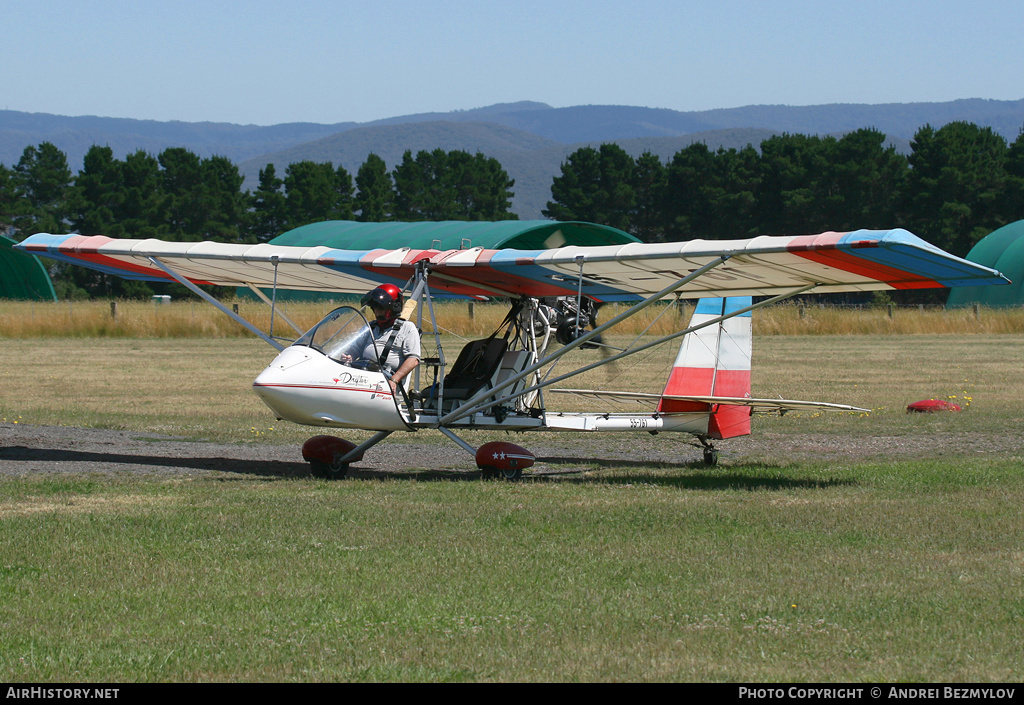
(329, 456)
(500, 460)
(492, 473)
(497, 460)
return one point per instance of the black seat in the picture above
(474, 368)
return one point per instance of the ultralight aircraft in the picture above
(499, 383)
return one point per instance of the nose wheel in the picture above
(324, 454)
(334, 470)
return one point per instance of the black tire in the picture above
(329, 471)
(490, 473)
(710, 457)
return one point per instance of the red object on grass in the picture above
(929, 406)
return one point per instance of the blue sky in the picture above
(327, 61)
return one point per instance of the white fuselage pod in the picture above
(306, 387)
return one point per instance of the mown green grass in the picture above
(876, 572)
(762, 569)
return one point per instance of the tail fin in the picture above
(714, 361)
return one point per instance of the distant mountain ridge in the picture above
(531, 160)
(530, 139)
(897, 120)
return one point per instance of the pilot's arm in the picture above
(403, 371)
(410, 354)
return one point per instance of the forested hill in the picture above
(572, 125)
(531, 160)
(592, 123)
(530, 139)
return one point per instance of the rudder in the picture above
(714, 361)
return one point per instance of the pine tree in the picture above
(42, 180)
(97, 195)
(375, 197)
(269, 207)
(953, 189)
(596, 185)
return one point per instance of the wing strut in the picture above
(362, 447)
(263, 297)
(458, 441)
(437, 334)
(210, 300)
(471, 405)
(613, 358)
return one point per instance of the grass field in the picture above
(769, 568)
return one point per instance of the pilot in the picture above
(397, 336)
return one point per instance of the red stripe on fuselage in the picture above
(329, 389)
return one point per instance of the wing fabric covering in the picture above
(863, 260)
(714, 361)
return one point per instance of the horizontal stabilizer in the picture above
(770, 405)
(758, 406)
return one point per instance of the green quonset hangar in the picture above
(1003, 250)
(444, 235)
(453, 235)
(23, 276)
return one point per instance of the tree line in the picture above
(957, 184)
(180, 196)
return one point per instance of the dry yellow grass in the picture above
(203, 389)
(794, 319)
(138, 319)
(193, 319)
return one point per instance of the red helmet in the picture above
(385, 296)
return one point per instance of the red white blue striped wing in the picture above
(862, 260)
